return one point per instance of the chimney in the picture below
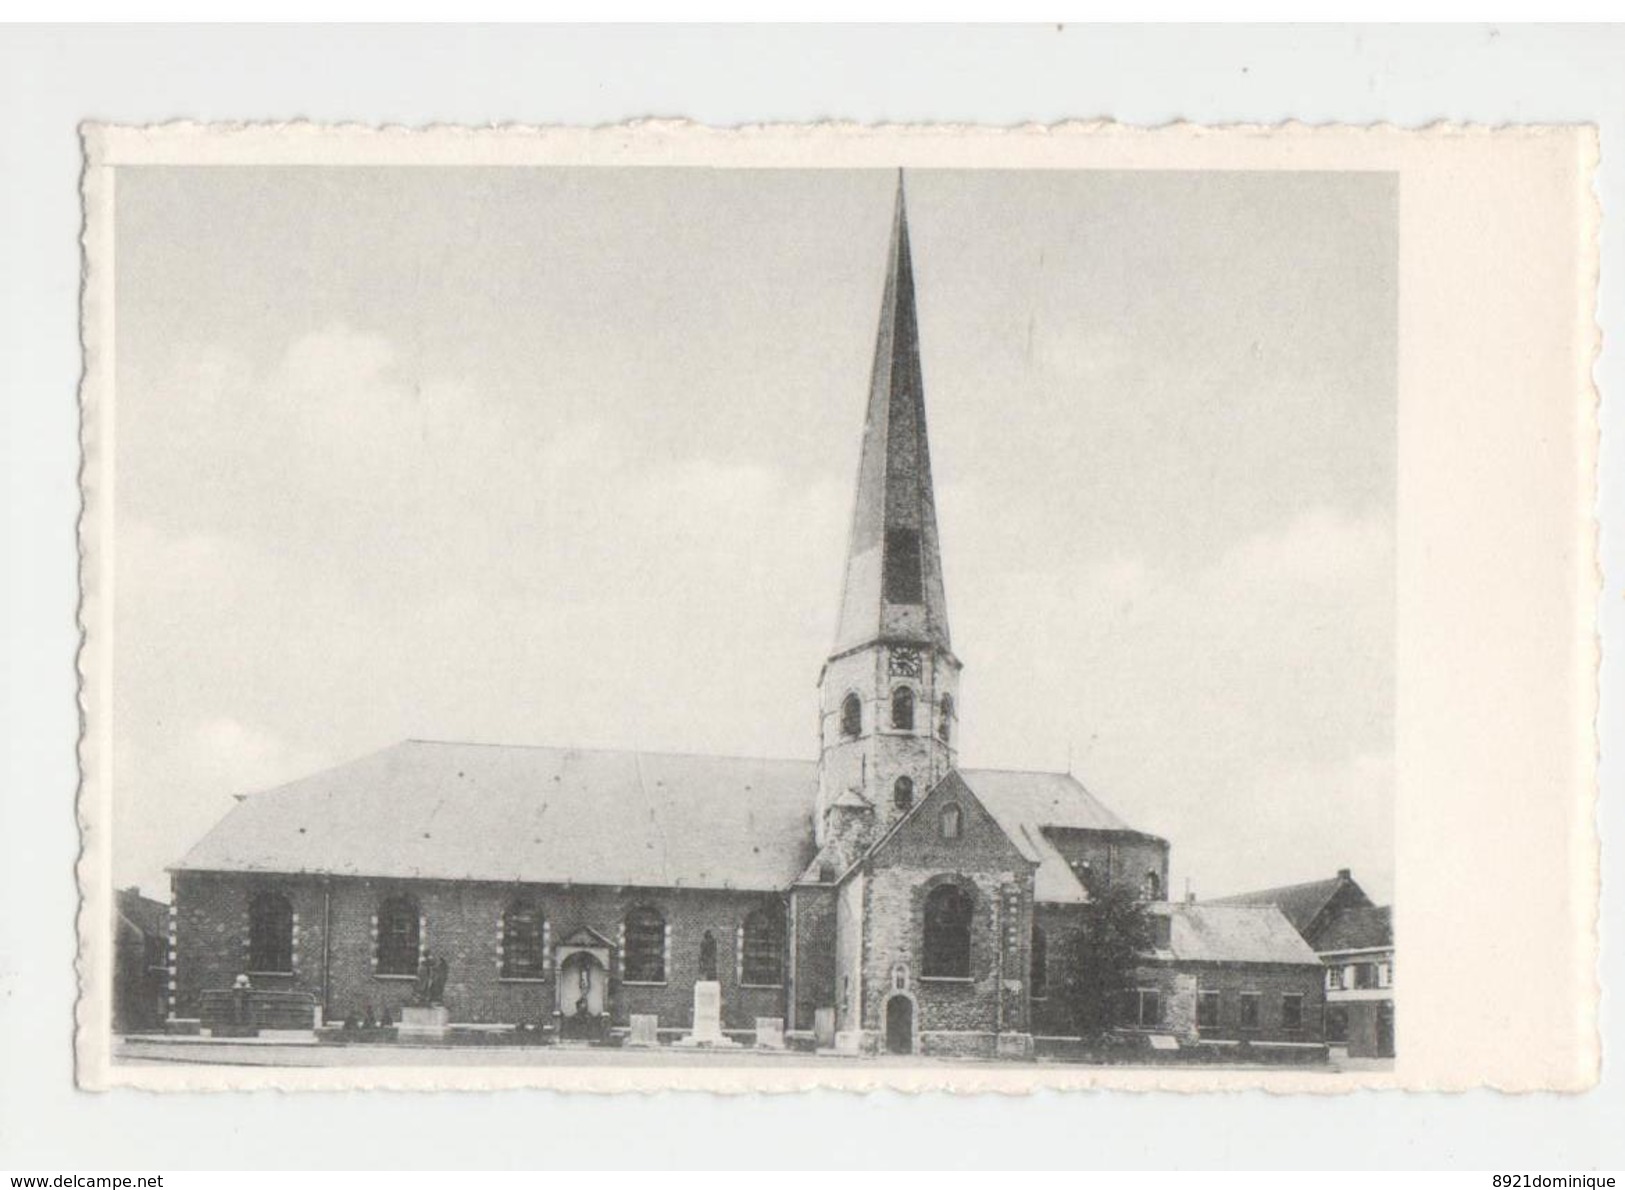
(1344, 874)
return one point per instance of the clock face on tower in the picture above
(905, 663)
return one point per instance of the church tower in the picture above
(888, 723)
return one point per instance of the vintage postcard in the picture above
(839, 607)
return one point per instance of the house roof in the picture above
(144, 913)
(1215, 933)
(1025, 803)
(433, 810)
(1302, 903)
(1360, 928)
(483, 812)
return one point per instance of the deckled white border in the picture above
(1482, 781)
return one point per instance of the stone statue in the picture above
(422, 990)
(708, 956)
(584, 984)
(437, 980)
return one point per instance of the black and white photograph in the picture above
(785, 597)
(682, 615)
(769, 619)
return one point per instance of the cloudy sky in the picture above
(566, 456)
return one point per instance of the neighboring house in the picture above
(878, 896)
(1357, 946)
(140, 962)
(1355, 942)
(1233, 974)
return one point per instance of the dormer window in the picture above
(903, 579)
(852, 717)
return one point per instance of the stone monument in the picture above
(707, 1029)
(645, 1032)
(426, 1018)
(824, 1028)
(769, 1033)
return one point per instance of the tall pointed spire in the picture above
(893, 588)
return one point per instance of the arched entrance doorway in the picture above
(899, 1025)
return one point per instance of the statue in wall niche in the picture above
(708, 957)
(584, 984)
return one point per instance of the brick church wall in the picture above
(1063, 934)
(463, 924)
(849, 970)
(813, 915)
(965, 1012)
(1121, 858)
(951, 1015)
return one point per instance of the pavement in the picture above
(147, 1051)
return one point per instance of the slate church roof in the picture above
(448, 811)
(893, 588)
(1025, 803)
(503, 813)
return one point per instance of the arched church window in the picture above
(644, 957)
(763, 959)
(902, 792)
(270, 933)
(945, 718)
(952, 822)
(902, 709)
(947, 933)
(398, 937)
(1040, 964)
(1152, 887)
(523, 953)
(851, 717)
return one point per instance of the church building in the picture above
(878, 897)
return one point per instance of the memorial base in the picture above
(707, 1030)
(423, 1024)
(645, 1031)
(1014, 1045)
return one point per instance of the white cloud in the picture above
(1294, 822)
(1241, 709)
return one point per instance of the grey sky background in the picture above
(566, 456)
